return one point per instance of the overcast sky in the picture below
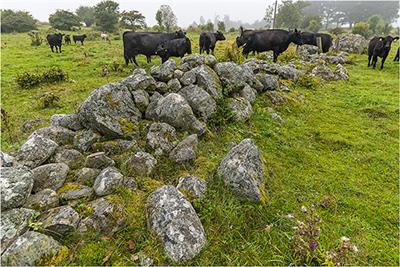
(186, 11)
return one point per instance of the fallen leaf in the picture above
(131, 245)
(106, 238)
(134, 257)
(107, 257)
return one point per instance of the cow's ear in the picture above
(295, 30)
(241, 29)
(396, 38)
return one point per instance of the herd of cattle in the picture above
(176, 44)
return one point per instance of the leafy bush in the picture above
(362, 28)
(49, 100)
(222, 115)
(92, 35)
(36, 39)
(233, 53)
(64, 20)
(28, 80)
(16, 21)
(232, 29)
(336, 31)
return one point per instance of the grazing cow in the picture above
(208, 40)
(265, 40)
(396, 58)
(145, 43)
(104, 37)
(67, 39)
(311, 39)
(174, 48)
(55, 40)
(379, 47)
(79, 38)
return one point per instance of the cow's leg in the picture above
(148, 59)
(82, 42)
(374, 60)
(60, 48)
(134, 61)
(52, 50)
(126, 61)
(383, 61)
(369, 60)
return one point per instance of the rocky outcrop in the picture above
(172, 218)
(16, 185)
(242, 170)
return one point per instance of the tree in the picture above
(106, 14)
(132, 20)
(221, 26)
(314, 26)
(362, 28)
(375, 23)
(311, 17)
(269, 17)
(64, 20)
(166, 18)
(209, 26)
(86, 14)
(16, 21)
(290, 14)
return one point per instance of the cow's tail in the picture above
(125, 44)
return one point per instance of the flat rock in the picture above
(242, 170)
(185, 151)
(51, 176)
(98, 160)
(107, 181)
(29, 248)
(173, 219)
(35, 151)
(13, 224)
(16, 185)
(42, 200)
(69, 121)
(193, 185)
(81, 192)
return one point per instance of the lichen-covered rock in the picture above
(151, 108)
(73, 158)
(288, 72)
(29, 248)
(270, 82)
(200, 101)
(178, 74)
(102, 217)
(173, 219)
(86, 176)
(193, 185)
(107, 181)
(13, 224)
(42, 200)
(351, 43)
(130, 183)
(161, 137)
(161, 87)
(307, 49)
(173, 85)
(60, 221)
(85, 139)
(6, 160)
(69, 121)
(241, 108)
(210, 60)
(208, 80)
(141, 98)
(35, 151)
(324, 72)
(249, 93)
(51, 176)
(242, 170)
(191, 61)
(174, 110)
(341, 73)
(81, 192)
(141, 163)
(276, 117)
(98, 160)
(165, 71)
(60, 135)
(139, 80)
(110, 110)
(185, 151)
(188, 78)
(16, 185)
(115, 147)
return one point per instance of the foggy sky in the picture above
(186, 11)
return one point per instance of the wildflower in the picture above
(303, 209)
(313, 246)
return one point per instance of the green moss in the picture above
(69, 186)
(55, 260)
(127, 125)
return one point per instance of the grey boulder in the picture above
(107, 181)
(141, 164)
(69, 121)
(241, 108)
(139, 80)
(98, 160)
(6, 160)
(35, 151)
(200, 101)
(42, 200)
(73, 158)
(141, 98)
(185, 151)
(208, 80)
(165, 71)
(151, 108)
(102, 217)
(173, 85)
(16, 186)
(60, 221)
(60, 135)
(269, 82)
(249, 93)
(242, 170)
(85, 139)
(51, 176)
(86, 176)
(161, 137)
(173, 219)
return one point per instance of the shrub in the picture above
(36, 39)
(54, 75)
(232, 29)
(336, 31)
(222, 115)
(28, 80)
(362, 28)
(92, 35)
(233, 53)
(49, 100)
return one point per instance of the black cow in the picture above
(55, 40)
(379, 47)
(79, 38)
(174, 48)
(208, 40)
(311, 39)
(67, 39)
(265, 40)
(145, 43)
(396, 58)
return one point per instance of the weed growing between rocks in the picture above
(233, 53)
(223, 114)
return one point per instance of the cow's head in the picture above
(84, 36)
(295, 37)
(180, 34)
(387, 41)
(219, 36)
(244, 37)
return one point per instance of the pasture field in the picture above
(337, 149)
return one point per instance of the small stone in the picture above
(185, 151)
(130, 183)
(178, 74)
(87, 176)
(73, 158)
(98, 160)
(195, 186)
(242, 109)
(60, 221)
(42, 200)
(6, 160)
(83, 191)
(275, 116)
(141, 98)
(69, 121)
(49, 176)
(141, 163)
(174, 85)
(107, 181)
(249, 93)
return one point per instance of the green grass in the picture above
(339, 141)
